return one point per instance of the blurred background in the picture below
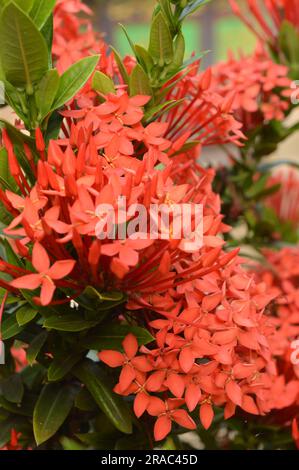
(212, 29)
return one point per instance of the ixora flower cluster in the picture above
(188, 331)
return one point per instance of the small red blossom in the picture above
(46, 275)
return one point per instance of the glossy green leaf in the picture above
(6, 180)
(23, 53)
(139, 82)
(101, 389)
(68, 322)
(160, 46)
(179, 51)
(144, 58)
(74, 79)
(46, 92)
(10, 327)
(25, 314)
(191, 8)
(120, 65)
(41, 11)
(25, 5)
(102, 83)
(35, 346)
(51, 410)
(61, 366)
(112, 336)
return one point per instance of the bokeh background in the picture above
(212, 29)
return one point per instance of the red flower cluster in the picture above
(74, 37)
(203, 114)
(253, 79)
(281, 276)
(205, 313)
(278, 11)
(211, 348)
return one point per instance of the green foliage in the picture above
(33, 89)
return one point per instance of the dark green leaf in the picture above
(112, 336)
(68, 322)
(35, 346)
(10, 327)
(12, 388)
(25, 314)
(62, 366)
(101, 390)
(51, 410)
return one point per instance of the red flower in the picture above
(46, 274)
(167, 412)
(128, 361)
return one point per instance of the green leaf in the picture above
(144, 58)
(23, 53)
(179, 51)
(102, 83)
(68, 322)
(71, 444)
(47, 32)
(46, 92)
(24, 5)
(139, 82)
(97, 301)
(120, 65)
(289, 41)
(101, 389)
(41, 11)
(128, 38)
(160, 46)
(10, 327)
(6, 180)
(74, 79)
(51, 410)
(258, 187)
(12, 388)
(191, 8)
(25, 314)
(84, 401)
(35, 347)
(61, 366)
(112, 336)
